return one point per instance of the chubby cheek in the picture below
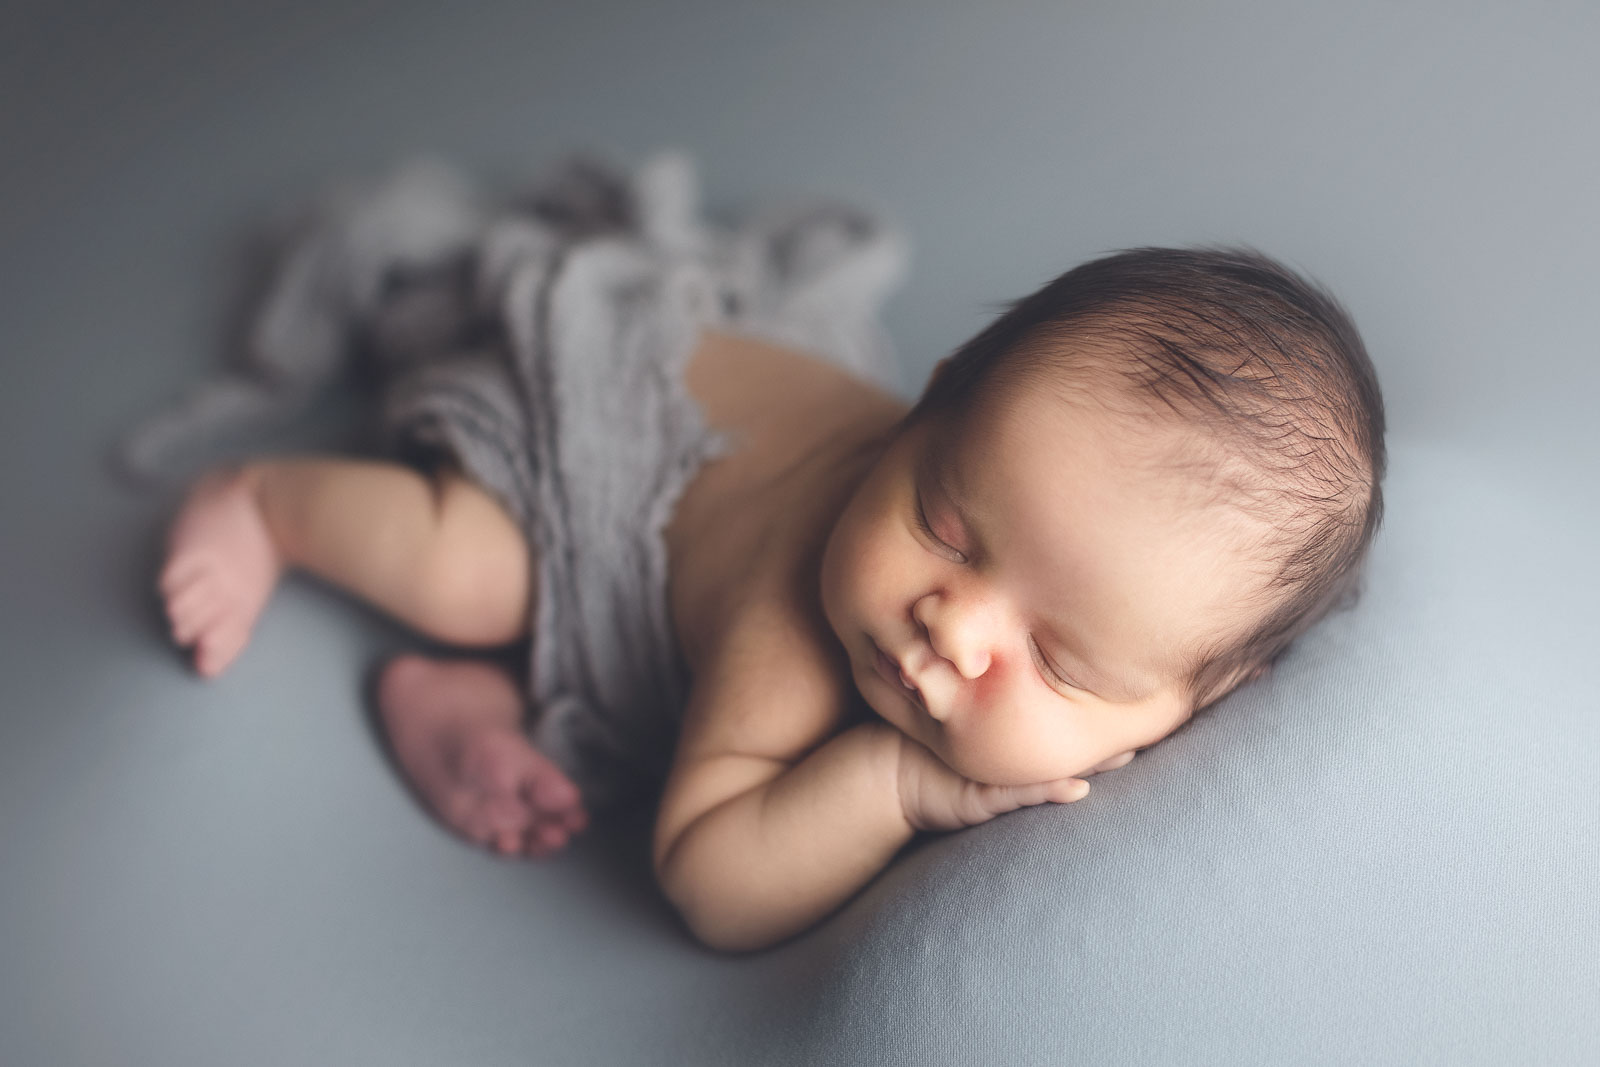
(872, 570)
(839, 560)
(998, 764)
(1017, 747)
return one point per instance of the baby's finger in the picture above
(1000, 799)
(1112, 764)
(1067, 790)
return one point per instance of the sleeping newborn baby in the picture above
(1120, 501)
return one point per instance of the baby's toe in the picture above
(189, 625)
(193, 600)
(506, 814)
(218, 646)
(180, 573)
(192, 585)
(553, 793)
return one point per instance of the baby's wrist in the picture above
(884, 748)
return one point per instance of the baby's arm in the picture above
(764, 831)
(752, 850)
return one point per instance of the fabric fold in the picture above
(540, 345)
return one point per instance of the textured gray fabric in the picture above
(588, 435)
(540, 345)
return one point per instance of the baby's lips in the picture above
(916, 694)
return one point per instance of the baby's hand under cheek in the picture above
(934, 797)
(1121, 760)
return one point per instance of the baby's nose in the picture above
(960, 635)
(970, 660)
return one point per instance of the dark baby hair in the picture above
(1265, 362)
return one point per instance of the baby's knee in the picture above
(475, 585)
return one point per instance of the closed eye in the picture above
(926, 527)
(1047, 669)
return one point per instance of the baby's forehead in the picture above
(1068, 427)
(1063, 478)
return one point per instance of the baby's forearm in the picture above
(770, 862)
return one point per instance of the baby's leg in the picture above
(440, 555)
(454, 728)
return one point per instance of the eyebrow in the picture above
(1099, 681)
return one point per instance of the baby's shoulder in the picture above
(776, 398)
(770, 683)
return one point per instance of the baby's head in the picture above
(1118, 502)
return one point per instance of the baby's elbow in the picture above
(707, 872)
(714, 930)
(708, 906)
(714, 934)
(697, 905)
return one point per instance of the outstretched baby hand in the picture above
(934, 797)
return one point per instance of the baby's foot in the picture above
(454, 727)
(221, 567)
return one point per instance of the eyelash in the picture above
(926, 527)
(1045, 667)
